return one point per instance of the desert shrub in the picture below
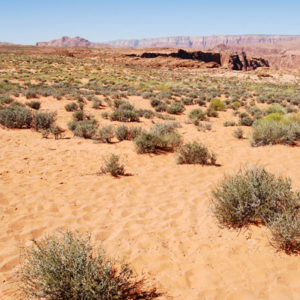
(71, 106)
(105, 134)
(164, 116)
(204, 126)
(85, 128)
(229, 123)
(211, 113)
(293, 117)
(43, 120)
(113, 166)
(238, 133)
(127, 133)
(15, 117)
(187, 101)
(147, 142)
(5, 99)
(118, 103)
(196, 115)
(105, 115)
(155, 102)
(161, 107)
(285, 229)
(236, 105)
(78, 115)
(66, 266)
(164, 128)
(34, 104)
(275, 108)
(30, 94)
(195, 153)
(124, 115)
(267, 132)
(217, 105)
(254, 195)
(57, 131)
(245, 121)
(96, 103)
(158, 138)
(175, 108)
(200, 102)
(273, 117)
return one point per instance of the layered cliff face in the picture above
(204, 41)
(238, 61)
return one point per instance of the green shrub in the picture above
(85, 128)
(252, 195)
(217, 105)
(43, 120)
(195, 153)
(275, 108)
(238, 133)
(66, 266)
(105, 134)
(71, 106)
(236, 105)
(15, 117)
(112, 166)
(34, 104)
(273, 117)
(175, 108)
(196, 115)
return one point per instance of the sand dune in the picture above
(158, 220)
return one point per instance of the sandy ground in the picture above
(158, 220)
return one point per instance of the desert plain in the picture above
(159, 218)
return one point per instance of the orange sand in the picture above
(158, 220)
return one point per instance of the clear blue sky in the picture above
(30, 21)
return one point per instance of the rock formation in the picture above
(238, 61)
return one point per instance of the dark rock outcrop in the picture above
(238, 61)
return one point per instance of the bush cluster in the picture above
(161, 137)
